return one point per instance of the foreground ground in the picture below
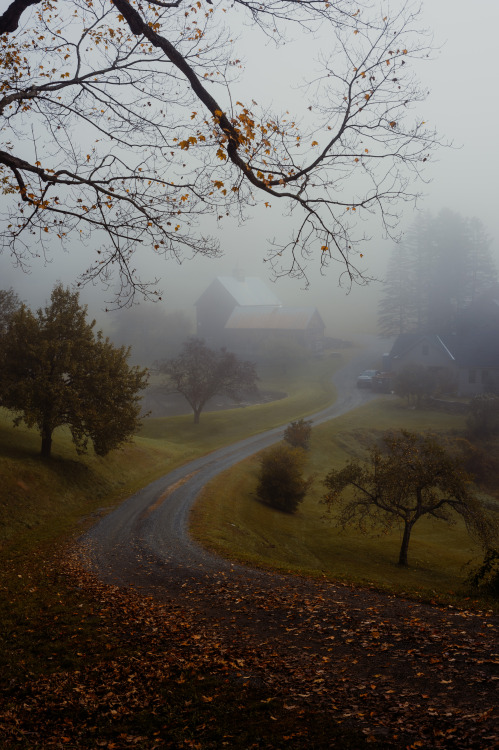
(250, 660)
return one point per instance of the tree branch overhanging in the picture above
(352, 156)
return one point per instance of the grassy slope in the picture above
(229, 519)
(40, 501)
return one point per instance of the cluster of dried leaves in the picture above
(230, 660)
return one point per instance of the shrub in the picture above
(280, 483)
(415, 383)
(298, 434)
(485, 578)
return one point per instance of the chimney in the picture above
(238, 274)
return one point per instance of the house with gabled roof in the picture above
(468, 359)
(468, 362)
(242, 313)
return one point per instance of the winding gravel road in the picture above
(145, 541)
(409, 672)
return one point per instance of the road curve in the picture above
(145, 541)
(429, 670)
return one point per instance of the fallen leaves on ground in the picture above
(224, 658)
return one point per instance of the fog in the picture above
(463, 107)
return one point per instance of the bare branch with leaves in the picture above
(123, 126)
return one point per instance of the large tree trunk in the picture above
(46, 432)
(405, 544)
(197, 414)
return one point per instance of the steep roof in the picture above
(477, 348)
(273, 318)
(404, 343)
(245, 291)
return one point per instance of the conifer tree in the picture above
(55, 371)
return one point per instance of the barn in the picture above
(242, 313)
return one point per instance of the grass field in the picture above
(308, 388)
(231, 521)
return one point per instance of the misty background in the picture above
(462, 106)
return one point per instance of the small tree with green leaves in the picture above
(406, 477)
(298, 434)
(55, 371)
(280, 481)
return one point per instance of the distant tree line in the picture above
(440, 267)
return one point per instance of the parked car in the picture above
(365, 378)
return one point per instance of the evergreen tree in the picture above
(482, 272)
(55, 371)
(393, 311)
(443, 264)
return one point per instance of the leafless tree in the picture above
(200, 373)
(122, 122)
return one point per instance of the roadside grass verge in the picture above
(229, 520)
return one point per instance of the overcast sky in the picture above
(462, 105)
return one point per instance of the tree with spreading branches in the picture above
(407, 477)
(200, 373)
(123, 122)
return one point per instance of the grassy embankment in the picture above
(231, 521)
(40, 500)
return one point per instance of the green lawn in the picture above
(308, 387)
(231, 521)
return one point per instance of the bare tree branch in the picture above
(166, 141)
(9, 20)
